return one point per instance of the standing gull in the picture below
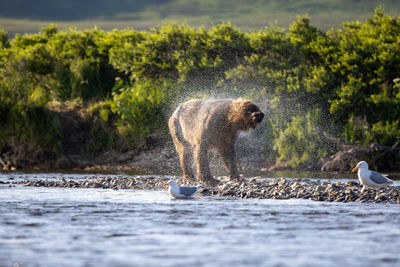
(370, 178)
(176, 191)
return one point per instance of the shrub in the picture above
(343, 82)
(140, 108)
(384, 133)
(301, 142)
(35, 125)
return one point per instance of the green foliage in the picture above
(367, 63)
(36, 125)
(383, 132)
(140, 108)
(101, 137)
(301, 142)
(103, 134)
(342, 83)
(3, 38)
(86, 80)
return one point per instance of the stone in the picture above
(320, 188)
(282, 182)
(382, 157)
(382, 197)
(318, 191)
(349, 192)
(340, 199)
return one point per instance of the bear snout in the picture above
(257, 116)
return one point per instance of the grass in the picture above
(324, 15)
(322, 21)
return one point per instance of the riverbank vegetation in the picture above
(322, 89)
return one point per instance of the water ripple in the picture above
(78, 227)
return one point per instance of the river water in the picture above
(104, 227)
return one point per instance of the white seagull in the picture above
(186, 192)
(370, 178)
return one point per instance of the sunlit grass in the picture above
(14, 26)
(246, 21)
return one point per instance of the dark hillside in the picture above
(71, 9)
(62, 10)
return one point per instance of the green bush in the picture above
(101, 137)
(301, 142)
(384, 133)
(103, 134)
(85, 82)
(3, 39)
(140, 109)
(340, 84)
(36, 125)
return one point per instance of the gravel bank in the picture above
(262, 188)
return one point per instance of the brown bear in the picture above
(200, 125)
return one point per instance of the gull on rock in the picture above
(370, 178)
(185, 192)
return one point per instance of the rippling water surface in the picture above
(104, 227)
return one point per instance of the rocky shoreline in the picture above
(259, 188)
(161, 157)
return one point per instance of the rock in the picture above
(96, 185)
(329, 188)
(250, 193)
(352, 183)
(320, 188)
(273, 183)
(224, 187)
(349, 192)
(282, 182)
(319, 198)
(350, 198)
(130, 184)
(300, 194)
(282, 189)
(340, 199)
(383, 197)
(380, 157)
(294, 186)
(253, 181)
(397, 144)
